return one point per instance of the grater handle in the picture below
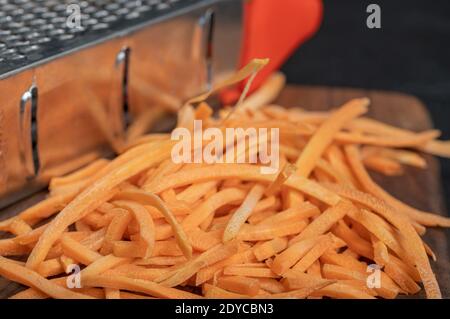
(29, 153)
(274, 29)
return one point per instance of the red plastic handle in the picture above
(273, 29)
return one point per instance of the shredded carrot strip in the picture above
(102, 264)
(78, 251)
(80, 174)
(41, 210)
(243, 212)
(202, 240)
(214, 292)
(8, 247)
(413, 240)
(324, 135)
(207, 258)
(245, 172)
(383, 165)
(299, 212)
(270, 248)
(116, 229)
(249, 271)
(208, 272)
(30, 278)
(343, 291)
(146, 198)
(302, 292)
(325, 221)
(144, 226)
(227, 196)
(90, 198)
(424, 218)
(266, 93)
(268, 231)
(238, 284)
(355, 242)
(291, 255)
(138, 285)
(322, 245)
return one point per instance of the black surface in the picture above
(410, 53)
(219, 308)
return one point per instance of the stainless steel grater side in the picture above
(62, 63)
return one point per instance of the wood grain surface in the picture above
(419, 188)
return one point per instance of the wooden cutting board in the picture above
(419, 188)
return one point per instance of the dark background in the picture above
(410, 53)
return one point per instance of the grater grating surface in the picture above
(31, 31)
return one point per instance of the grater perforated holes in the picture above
(99, 26)
(37, 22)
(66, 36)
(112, 6)
(29, 49)
(110, 18)
(49, 15)
(39, 10)
(27, 17)
(43, 40)
(132, 15)
(123, 11)
(5, 32)
(100, 14)
(55, 32)
(28, 26)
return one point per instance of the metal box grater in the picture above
(63, 62)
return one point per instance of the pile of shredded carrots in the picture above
(141, 226)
